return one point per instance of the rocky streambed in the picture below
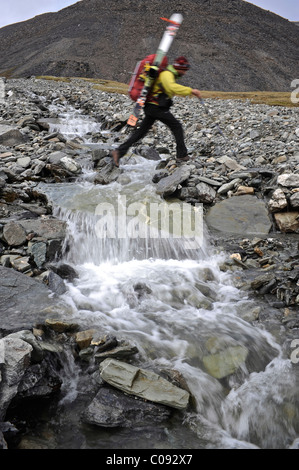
(247, 181)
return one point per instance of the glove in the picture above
(153, 72)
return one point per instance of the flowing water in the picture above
(187, 312)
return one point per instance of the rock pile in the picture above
(32, 364)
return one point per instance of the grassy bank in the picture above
(256, 97)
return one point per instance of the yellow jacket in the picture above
(166, 83)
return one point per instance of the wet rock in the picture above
(14, 360)
(106, 171)
(116, 349)
(60, 326)
(84, 338)
(64, 270)
(111, 408)
(98, 154)
(55, 283)
(225, 362)
(24, 301)
(143, 383)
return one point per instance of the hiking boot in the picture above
(183, 159)
(115, 156)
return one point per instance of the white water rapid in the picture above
(187, 314)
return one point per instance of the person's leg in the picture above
(138, 134)
(165, 116)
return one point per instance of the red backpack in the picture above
(139, 75)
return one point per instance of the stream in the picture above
(189, 310)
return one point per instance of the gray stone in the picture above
(70, 165)
(112, 408)
(12, 137)
(294, 200)
(25, 301)
(230, 163)
(278, 201)
(169, 184)
(56, 284)
(239, 214)
(206, 194)
(38, 250)
(21, 264)
(143, 383)
(47, 228)
(106, 171)
(122, 350)
(24, 162)
(150, 153)
(289, 180)
(14, 234)
(209, 181)
(15, 358)
(98, 154)
(228, 186)
(55, 157)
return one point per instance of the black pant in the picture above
(152, 113)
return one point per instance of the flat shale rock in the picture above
(143, 383)
(240, 214)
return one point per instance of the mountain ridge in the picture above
(231, 45)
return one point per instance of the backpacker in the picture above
(140, 73)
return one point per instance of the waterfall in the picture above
(188, 314)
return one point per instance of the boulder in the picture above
(239, 214)
(225, 362)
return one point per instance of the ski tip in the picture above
(175, 19)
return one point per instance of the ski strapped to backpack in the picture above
(149, 68)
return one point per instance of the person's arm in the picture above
(171, 87)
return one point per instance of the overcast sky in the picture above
(13, 11)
